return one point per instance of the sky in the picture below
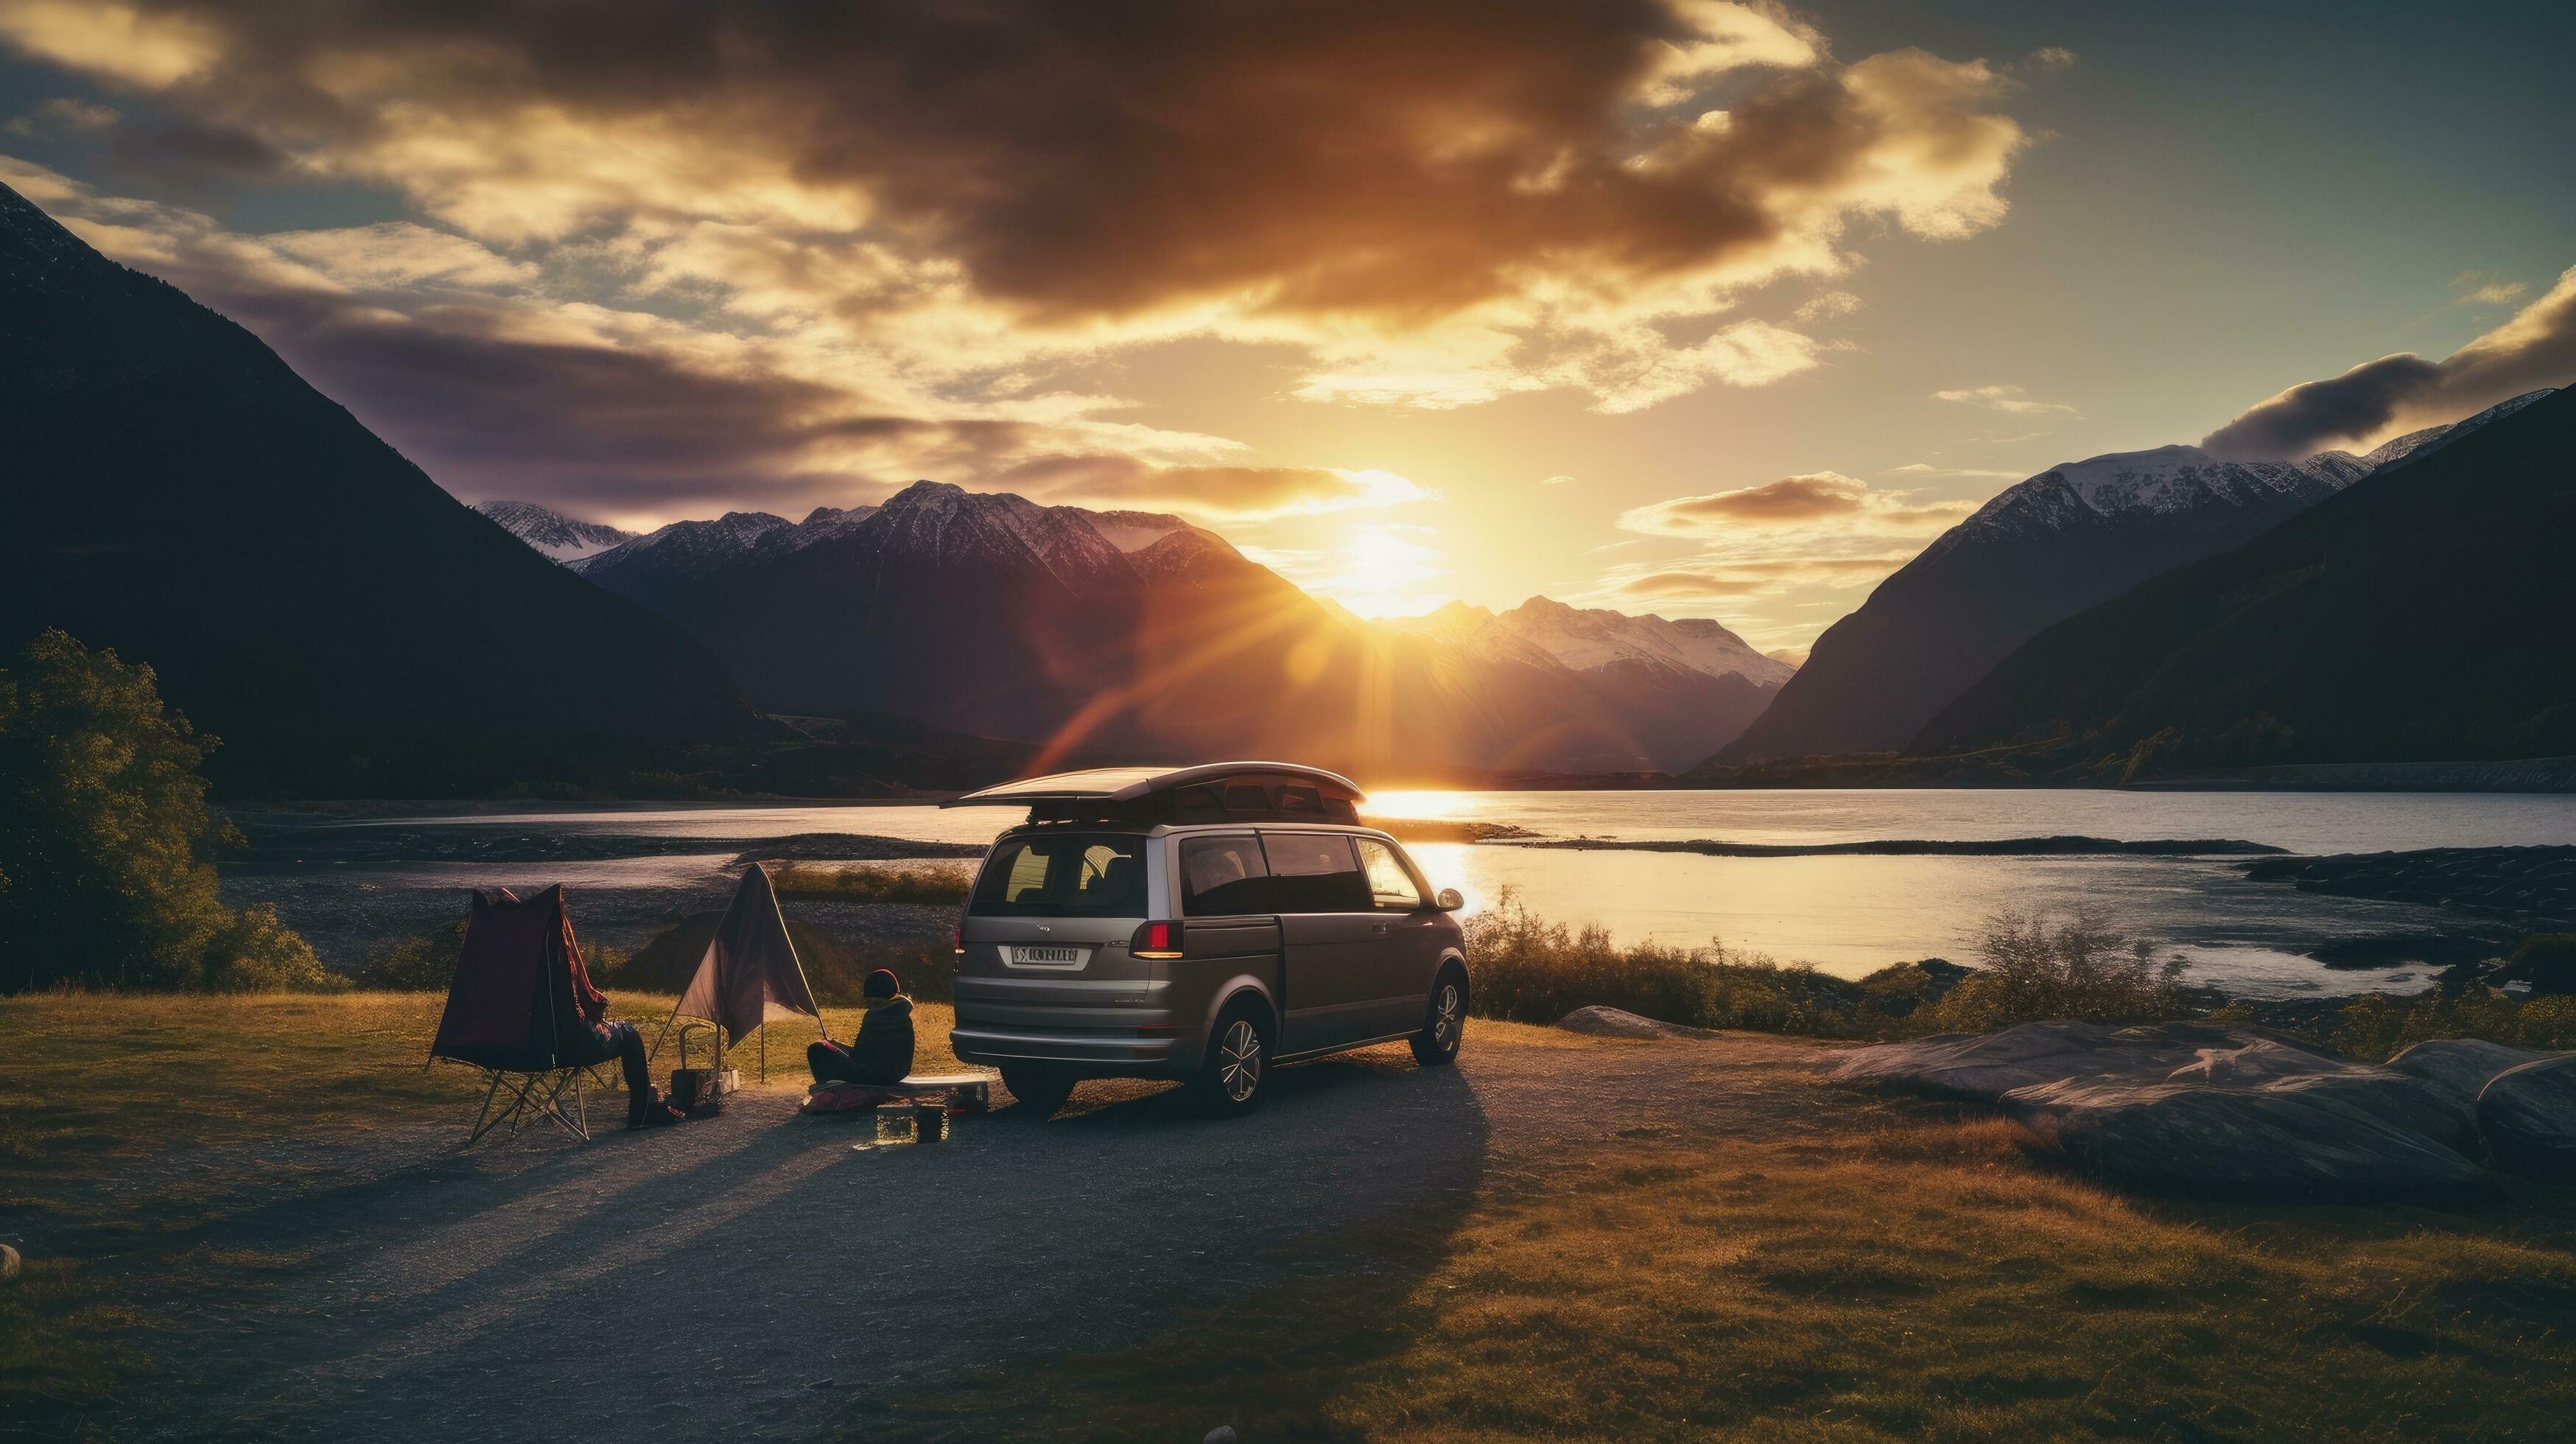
(1700, 308)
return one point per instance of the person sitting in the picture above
(590, 1038)
(882, 1053)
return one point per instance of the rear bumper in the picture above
(995, 1044)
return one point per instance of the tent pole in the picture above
(764, 1050)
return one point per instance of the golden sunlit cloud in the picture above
(2005, 398)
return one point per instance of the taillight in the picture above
(961, 940)
(1156, 940)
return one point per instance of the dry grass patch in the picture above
(873, 882)
(1939, 1280)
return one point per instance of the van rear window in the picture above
(1063, 875)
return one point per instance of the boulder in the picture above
(2460, 1068)
(2528, 1115)
(1603, 1022)
(2202, 1108)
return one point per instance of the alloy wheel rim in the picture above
(1239, 1061)
(1444, 1019)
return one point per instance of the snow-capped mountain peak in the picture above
(1543, 631)
(563, 538)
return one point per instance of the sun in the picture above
(1382, 570)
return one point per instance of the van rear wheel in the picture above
(1444, 1022)
(1237, 1067)
(1041, 1090)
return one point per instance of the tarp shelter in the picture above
(750, 974)
(516, 1009)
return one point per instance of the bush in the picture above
(873, 882)
(254, 953)
(105, 839)
(2379, 1027)
(836, 970)
(2033, 966)
(1531, 970)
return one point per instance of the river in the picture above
(631, 869)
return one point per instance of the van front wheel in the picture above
(1230, 1081)
(1444, 1021)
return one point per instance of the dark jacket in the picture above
(883, 1051)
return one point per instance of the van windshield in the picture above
(1083, 874)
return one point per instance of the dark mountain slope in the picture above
(2039, 552)
(2421, 615)
(173, 490)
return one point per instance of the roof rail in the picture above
(1211, 792)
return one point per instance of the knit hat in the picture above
(881, 984)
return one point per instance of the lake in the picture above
(351, 882)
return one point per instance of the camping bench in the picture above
(972, 1092)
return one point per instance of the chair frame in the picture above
(521, 1099)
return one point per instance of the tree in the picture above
(105, 837)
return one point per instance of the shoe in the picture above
(649, 1109)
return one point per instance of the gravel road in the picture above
(756, 1276)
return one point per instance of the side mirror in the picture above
(1448, 901)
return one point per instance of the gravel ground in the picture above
(757, 1276)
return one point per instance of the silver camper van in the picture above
(1206, 924)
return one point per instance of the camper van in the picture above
(1206, 924)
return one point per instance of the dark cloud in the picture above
(2536, 348)
(1793, 498)
(188, 153)
(1392, 158)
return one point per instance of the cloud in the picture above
(2487, 288)
(2004, 398)
(2052, 57)
(1926, 471)
(2533, 349)
(64, 115)
(1559, 201)
(1827, 306)
(1554, 480)
(1211, 493)
(458, 356)
(1790, 501)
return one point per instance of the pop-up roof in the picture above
(1215, 792)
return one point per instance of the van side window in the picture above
(1315, 873)
(1222, 876)
(1390, 886)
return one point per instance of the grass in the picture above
(1884, 1277)
(873, 882)
(101, 1087)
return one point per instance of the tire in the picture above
(1236, 1073)
(1444, 1021)
(1041, 1090)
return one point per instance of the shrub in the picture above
(2379, 1027)
(2034, 966)
(1532, 970)
(254, 953)
(105, 839)
(873, 883)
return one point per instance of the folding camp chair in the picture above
(523, 1099)
(516, 1011)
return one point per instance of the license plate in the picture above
(1048, 957)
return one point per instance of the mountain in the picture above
(2418, 616)
(1586, 640)
(2042, 550)
(176, 492)
(551, 532)
(990, 614)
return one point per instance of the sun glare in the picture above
(1382, 572)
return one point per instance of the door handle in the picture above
(1377, 927)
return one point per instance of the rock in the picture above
(1603, 1022)
(2528, 1115)
(8, 1262)
(2460, 1068)
(1221, 1434)
(2202, 1108)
